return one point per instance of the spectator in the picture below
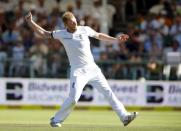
(41, 9)
(3, 58)
(154, 70)
(122, 52)
(104, 66)
(38, 52)
(18, 54)
(70, 8)
(27, 38)
(11, 34)
(78, 10)
(175, 30)
(6, 5)
(95, 48)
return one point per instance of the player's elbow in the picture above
(98, 36)
(44, 34)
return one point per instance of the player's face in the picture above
(72, 24)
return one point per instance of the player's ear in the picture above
(65, 24)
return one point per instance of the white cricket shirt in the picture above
(77, 45)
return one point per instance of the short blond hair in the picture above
(67, 16)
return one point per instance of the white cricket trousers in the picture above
(79, 77)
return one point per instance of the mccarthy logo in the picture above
(14, 91)
(154, 94)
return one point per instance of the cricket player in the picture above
(84, 71)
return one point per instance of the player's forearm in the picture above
(105, 37)
(39, 30)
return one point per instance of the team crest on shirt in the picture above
(78, 37)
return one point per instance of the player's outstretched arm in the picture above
(39, 30)
(107, 38)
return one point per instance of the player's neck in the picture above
(71, 30)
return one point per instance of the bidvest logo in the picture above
(87, 94)
(14, 91)
(154, 94)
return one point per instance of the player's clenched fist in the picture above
(123, 37)
(28, 17)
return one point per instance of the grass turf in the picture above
(38, 120)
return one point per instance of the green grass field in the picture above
(38, 120)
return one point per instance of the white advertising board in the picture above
(163, 93)
(2, 92)
(129, 93)
(33, 91)
(49, 92)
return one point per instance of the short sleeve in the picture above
(56, 34)
(91, 32)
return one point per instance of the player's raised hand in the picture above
(28, 17)
(123, 37)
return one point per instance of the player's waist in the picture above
(86, 69)
(83, 65)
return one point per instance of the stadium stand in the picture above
(154, 28)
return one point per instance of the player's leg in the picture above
(103, 87)
(77, 84)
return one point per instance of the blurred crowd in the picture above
(154, 28)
